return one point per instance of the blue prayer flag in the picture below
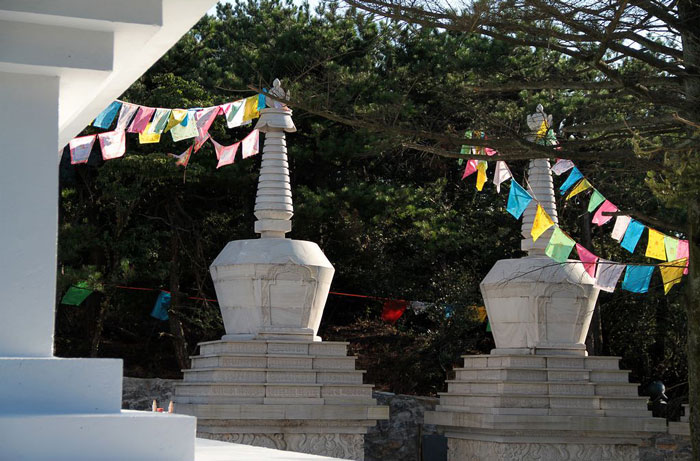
(632, 235)
(573, 178)
(637, 278)
(160, 309)
(518, 200)
(104, 120)
(261, 100)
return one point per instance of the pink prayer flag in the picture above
(225, 154)
(588, 259)
(204, 119)
(471, 168)
(113, 144)
(490, 152)
(599, 218)
(184, 158)
(80, 148)
(199, 142)
(683, 251)
(250, 144)
(141, 119)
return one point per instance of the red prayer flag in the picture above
(393, 310)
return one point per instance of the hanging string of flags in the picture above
(151, 123)
(628, 231)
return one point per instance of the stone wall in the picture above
(401, 437)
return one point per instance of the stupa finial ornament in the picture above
(273, 202)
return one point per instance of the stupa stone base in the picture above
(553, 407)
(303, 396)
(681, 427)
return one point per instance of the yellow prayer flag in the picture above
(541, 223)
(481, 174)
(176, 117)
(672, 272)
(656, 248)
(148, 138)
(580, 187)
(250, 111)
(542, 132)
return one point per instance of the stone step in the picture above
(273, 361)
(213, 389)
(546, 411)
(318, 348)
(522, 374)
(543, 401)
(525, 388)
(610, 376)
(255, 375)
(225, 400)
(540, 361)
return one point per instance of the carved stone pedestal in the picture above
(548, 407)
(303, 396)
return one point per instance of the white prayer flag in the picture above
(501, 174)
(607, 274)
(225, 154)
(80, 148)
(250, 144)
(125, 115)
(562, 166)
(620, 227)
(113, 144)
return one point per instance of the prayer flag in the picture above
(588, 259)
(481, 174)
(490, 152)
(518, 200)
(141, 119)
(580, 187)
(620, 227)
(655, 247)
(599, 218)
(632, 235)
(125, 115)
(250, 144)
(541, 223)
(418, 306)
(596, 199)
(184, 158)
(160, 121)
(562, 166)
(113, 144)
(250, 109)
(261, 101)
(671, 247)
(147, 137)
(160, 309)
(204, 119)
(559, 246)
(573, 178)
(177, 116)
(233, 111)
(607, 275)
(393, 309)
(76, 294)
(470, 168)
(501, 174)
(637, 278)
(80, 148)
(542, 132)
(225, 154)
(683, 251)
(106, 117)
(185, 130)
(672, 272)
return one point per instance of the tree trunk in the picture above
(176, 329)
(99, 325)
(688, 14)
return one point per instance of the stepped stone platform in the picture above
(554, 407)
(683, 426)
(301, 396)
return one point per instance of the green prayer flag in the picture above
(488, 326)
(671, 245)
(76, 294)
(596, 199)
(559, 246)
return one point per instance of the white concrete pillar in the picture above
(28, 213)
